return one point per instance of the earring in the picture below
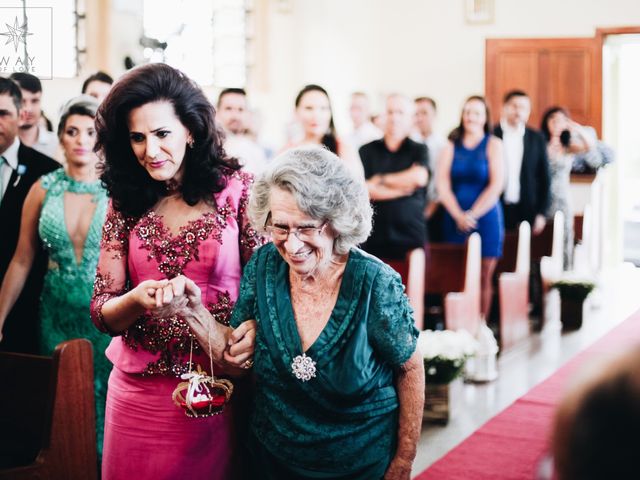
(190, 142)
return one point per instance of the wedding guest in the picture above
(30, 132)
(364, 131)
(98, 85)
(565, 138)
(232, 113)
(64, 211)
(396, 171)
(20, 168)
(315, 116)
(470, 182)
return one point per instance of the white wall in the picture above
(418, 47)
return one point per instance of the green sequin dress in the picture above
(68, 285)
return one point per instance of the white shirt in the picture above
(46, 143)
(250, 155)
(435, 143)
(7, 169)
(365, 133)
(513, 149)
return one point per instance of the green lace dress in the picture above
(331, 413)
(68, 285)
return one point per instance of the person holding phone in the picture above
(565, 138)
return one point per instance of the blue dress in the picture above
(469, 177)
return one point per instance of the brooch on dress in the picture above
(303, 367)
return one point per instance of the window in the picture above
(206, 40)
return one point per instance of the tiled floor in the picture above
(531, 362)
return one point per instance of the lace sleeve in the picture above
(111, 273)
(390, 325)
(249, 237)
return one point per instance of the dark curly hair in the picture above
(206, 165)
(330, 139)
(544, 123)
(457, 133)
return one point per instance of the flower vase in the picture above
(440, 401)
(571, 313)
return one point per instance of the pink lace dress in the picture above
(146, 435)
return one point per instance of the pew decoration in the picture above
(573, 292)
(444, 353)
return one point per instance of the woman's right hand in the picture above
(148, 293)
(466, 222)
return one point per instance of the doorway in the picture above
(621, 103)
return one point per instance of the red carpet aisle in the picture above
(510, 445)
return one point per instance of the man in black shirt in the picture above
(396, 171)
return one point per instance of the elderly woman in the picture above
(339, 382)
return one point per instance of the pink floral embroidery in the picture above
(115, 233)
(171, 338)
(174, 253)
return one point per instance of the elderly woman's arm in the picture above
(410, 387)
(228, 348)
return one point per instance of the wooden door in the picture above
(562, 71)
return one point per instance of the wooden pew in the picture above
(541, 246)
(512, 273)
(454, 272)
(551, 265)
(411, 270)
(47, 416)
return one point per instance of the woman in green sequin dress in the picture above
(65, 211)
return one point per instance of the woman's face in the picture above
(158, 140)
(474, 116)
(314, 114)
(557, 123)
(78, 139)
(312, 253)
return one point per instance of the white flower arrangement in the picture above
(445, 353)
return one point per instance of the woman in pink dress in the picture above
(177, 215)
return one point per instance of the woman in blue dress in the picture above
(470, 182)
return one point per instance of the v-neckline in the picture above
(321, 342)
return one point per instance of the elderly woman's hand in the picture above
(241, 345)
(175, 296)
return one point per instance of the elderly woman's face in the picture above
(78, 139)
(311, 250)
(158, 140)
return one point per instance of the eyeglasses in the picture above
(304, 234)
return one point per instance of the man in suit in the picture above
(20, 168)
(526, 194)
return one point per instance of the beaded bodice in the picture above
(52, 225)
(209, 250)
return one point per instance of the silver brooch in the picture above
(303, 367)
